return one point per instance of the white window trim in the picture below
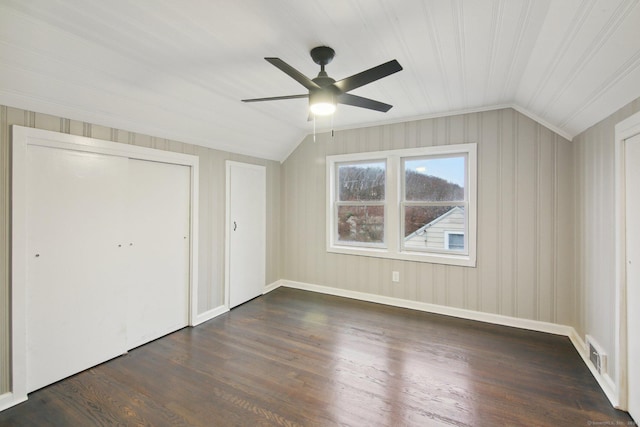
(393, 186)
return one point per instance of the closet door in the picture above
(75, 316)
(246, 231)
(632, 180)
(157, 245)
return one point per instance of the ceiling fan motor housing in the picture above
(322, 55)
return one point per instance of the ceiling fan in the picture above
(325, 92)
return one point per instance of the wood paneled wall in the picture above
(525, 216)
(211, 215)
(594, 159)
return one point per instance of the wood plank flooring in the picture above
(296, 358)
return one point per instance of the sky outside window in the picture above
(448, 168)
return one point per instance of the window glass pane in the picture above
(427, 227)
(438, 179)
(361, 181)
(456, 241)
(361, 224)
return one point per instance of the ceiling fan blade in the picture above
(292, 72)
(276, 98)
(368, 76)
(358, 101)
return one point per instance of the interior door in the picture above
(75, 318)
(246, 235)
(632, 178)
(157, 246)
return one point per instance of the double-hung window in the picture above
(434, 203)
(414, 204)
(360, 203)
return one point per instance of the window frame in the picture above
(393, 205)
(362, 203)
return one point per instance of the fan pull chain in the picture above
(332, 127)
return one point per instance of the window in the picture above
(360, 203)
(415, 204)
(433, 201)
(454, 240)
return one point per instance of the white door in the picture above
(246, 231)
(157, 246)
(108, 258)
(75, 318)
(632, 184)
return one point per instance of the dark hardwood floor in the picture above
(296, 358)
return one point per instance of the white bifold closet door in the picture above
(75, 213)
(158, 246)
(108, 258)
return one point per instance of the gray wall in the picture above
(525, 216)
(211, 215)
(595, 231)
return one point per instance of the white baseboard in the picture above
(604, 381)
(272, 286)
(210, 314)
(215, 312)
(9, 399)
(498, 319)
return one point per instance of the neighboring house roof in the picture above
(420, 231)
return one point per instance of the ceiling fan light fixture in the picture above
(322, 103)
(325, 92)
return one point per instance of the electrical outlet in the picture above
(395, 276)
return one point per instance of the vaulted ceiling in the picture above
(178, 69)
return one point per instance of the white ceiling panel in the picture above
(179, 69)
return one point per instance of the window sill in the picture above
(433, 258)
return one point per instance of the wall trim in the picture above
(9, 399)
(497, 319)
(605, 382)
(557, 129)
(210, 314)
(270, 287)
